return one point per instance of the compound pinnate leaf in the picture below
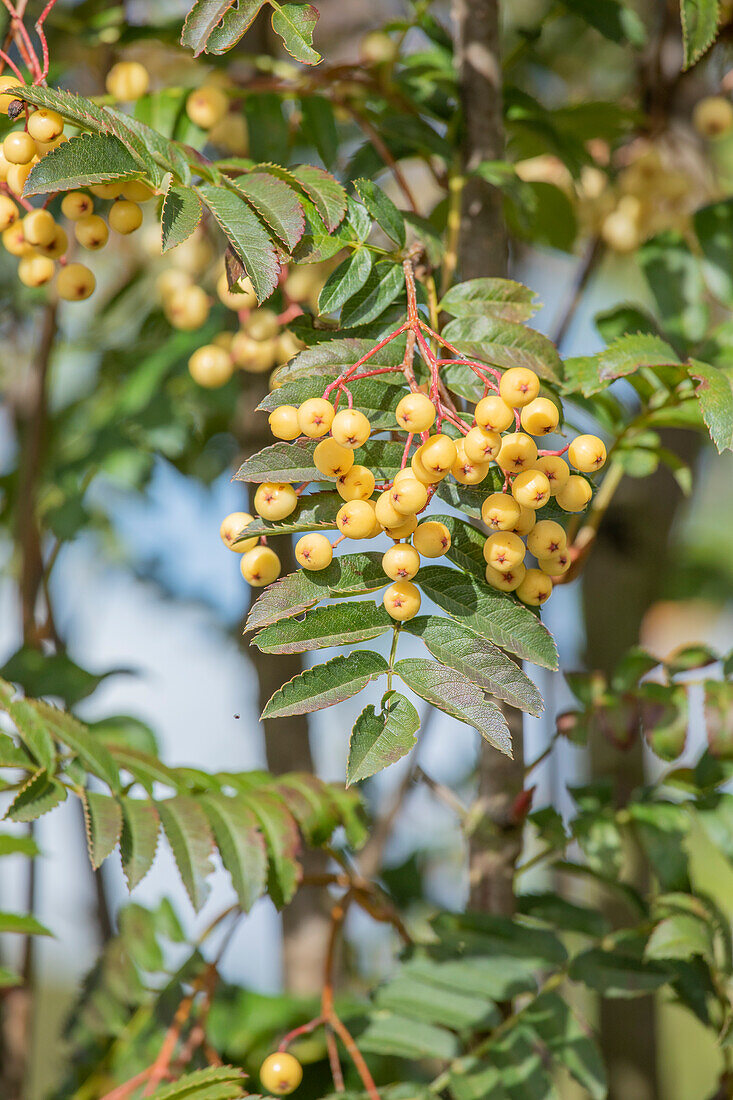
(189, 835)
(180, 216)
(36, 797)
(406, 1038)
(715, 394)
(314, 512)
(489, 613)
(34, 733)
(385, 283)
(503, 299)
(206, 15)
(139, 838)
(295, 23)
(324, 685)
(282, 462)
(280, 831)
(505, 344)
(699, 27)
(382, 209)
(378, 740)
(343, 283)
(247, 236)
(324, 191)
(480, 661)
(276, 203)
(213, 1083)
(103, 822)
(81, 161)
(452, 693)
(333, 625)
(67, 729)
(241, 845)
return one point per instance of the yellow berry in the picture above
(531, 489)
(106, 190)
(481, 445)
(281, 1073)
(75, 282)
(378, 48)
(408, 496)
(401, 562)
(402, 530)
(4, 164)
(575, 494)
(91, 231)
(137, 191)
(420, 472)
(506, 582)
(127, 80)
(170, 282)
(555, 469)
(260, 566)
(35, 270)
(526, 522)
(464, 470)
(518, 386)
(16, 177)
(503, 550)
(44, 147)
(7, 82)
(415, 413)
(376, 525)
(350, 428)
(253, 356)
(313, 551)
(386, 512)
(546, 538)
(57, 246)
(500, 512)
(586, 453)
(187, 308)
(211, 366)
(19, 147)
(125, 216)
(39, 228)
(206, 106)
(713, 116)
(231, 527)
(13, 240)
(283, 422)
(438, 454)
(287, 346)
(355, 519)
(555, 564)
(76, 204)
(432, 539)
(262, 324)
(540, 417)
(45, 125)
(402, 601)
(518, 452)
(8, 212)
(332, 459)
(493, 414)
(275, 500)
(357, 484)
(315, 417)
(242, 298)
(535, 588)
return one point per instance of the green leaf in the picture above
(405, 1038)
(139, 838)
(295, 23)
(41, 673)
(319, 125)
(377, 398)
(675, 279)
(180, 216)
(564, 915)
(324, 685)
(213, 1083)
(489, 613)
(33, 732)
(205, 15)
(12, 844)
(385, 283)
(719, 718)
(334, 625)
(103, 821)
(613, 19)
(276, 203)
(36, 797)
(378, 740)
(189, 835)
(452, 693)
(233, 25)
(715, 394)
(96, 758)
(325, 192)
(8, 978)
(349, 575)
(502, 299)
(699, 28)
(79, 162)
(247, 236)
(479, 661)
(616, 974)
(569, 1042)
(505, 344)
(590, 374)
(241, 845)
(23, 923)
(282, 462)
(12, 755)
(681, 936)
(714, 228)
(313, 512)
(382, 209)
(283, 843)
(421, 990)
(343, 283)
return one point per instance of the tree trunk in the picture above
(482, 250)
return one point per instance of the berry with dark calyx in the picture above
(13, 240)
(260, 566)
(415, 413)
(8, 212)
(57, 246)
(35, 270)
(555, 469)
(386, 512)
(518, 452)
(531, 489)
(587, 453)
(464, 470)
(127, 80)
(481, 445)
(556, 564)
(421, 472)
(500, 512)
(432, 539)
(401, 562)
(546, 538)
(357, 484)
(408, 496)
(275, 500)
(540, 417)
(91, 232)
(506, 582)
(535, 589)
(253, 356)
(526, 522)
(493, 414)
(231, 526)
(403, 530)
(713, 116)
(125, 216)
(402, 601)
(438, 454)
(39, 227)
(75, 282)
(575, 494)
(503, 550)
(315, 417)
(330, 458)
(518, 386)
(45, 125)
(7, 83)
(355, 519)
(350, 428)
(283, 422)
(77, 204)
(313, 551)
(211, 366)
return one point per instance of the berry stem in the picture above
(304, 1029)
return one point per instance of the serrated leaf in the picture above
(334, 625)
(614, 20)
(715, 394)
(385, 283)
(421, 991)
(12, 755)
(247, 237)
(616, 974)
(33, 732)
(324, 685)
(629, 353)
(348, 278)
(212, 1083)
(145, 768)
(206, 15)
(674, 276)
(36, 797)
(505, 344)
(139, 838)
(489, 613)
(103, 822)
(313, 512)
(282, 462)
(680, 936)
(349, 575)
(96, 758)
(233, 26)
(333, 356)
(276, 203)
(699, 28)
(480, 661)
(378, 740)
(324, 191)
(405, 1038)
(377, 398)
(295, 23)
(180, 216)
(241, 845)
(189, 835)
(23, 923)
(81, 161)
(452, 693)
(382, 209)
(283, 844)
(502, 299)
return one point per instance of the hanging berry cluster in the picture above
(503, 431)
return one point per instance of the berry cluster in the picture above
(502, 432)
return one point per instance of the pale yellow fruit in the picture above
(535, 588)
(19, 147)
(500, 512)
(281, 1073)
(262, 324)
(206, 106)
(39, 227)
(464, 470)
(556, 564)
(242, 298)
(438, 454)
(355, 519)
(187, 308)
(555, 469)
(127, 80)
(546, 538)
(77, 204)
(8, 212)
(125, 216)
(518, 452)
(350, 428)
(45, 125)
(518, 386)
(231, 526)
(260, 566)
(415, 412)
(401, 562)
(402, 601)
(531, 489)
(75, 282)
(506, 582)
(540, 417)
(283, 422)
(313, 551)
(432, 539)
(481, 445)
(275, 500)
(493, 414)
(408, 496)
(91, 232)
(211, 366)
(315, 417)
(575, 494)
(7, 83)
(357, 484)
(35, 270)
(587, 453)
(253, 356)
(330, 458)
(504, 550)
